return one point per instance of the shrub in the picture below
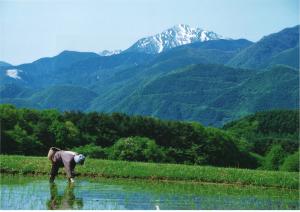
(220, 149)
(92, 151)
(291, 163)
(274, 158)
(136, 149)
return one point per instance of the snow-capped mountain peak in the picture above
(176, 36)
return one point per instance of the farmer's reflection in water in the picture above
(65, 201)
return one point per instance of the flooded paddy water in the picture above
(28, 192)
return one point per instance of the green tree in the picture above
(65, 133)
(92, 151)
(136, 149)
(25, 144)
(220, 149)
(291, 163)
(274, 158)
(9, 117)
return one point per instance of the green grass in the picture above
(137, 170)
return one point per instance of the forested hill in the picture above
(212, 82)
(272, 134)
(276, 122)
(138, 138)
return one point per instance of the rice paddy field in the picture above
(104, 184)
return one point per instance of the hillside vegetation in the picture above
(263, 53)
(213, 94)
(272, 134)
(136, 138)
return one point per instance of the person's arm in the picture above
(68, 169)
(69, 164)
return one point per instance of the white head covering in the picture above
(79, 159)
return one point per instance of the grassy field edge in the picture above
(15, 164)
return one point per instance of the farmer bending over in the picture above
(68, 159)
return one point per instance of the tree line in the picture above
(118, 136)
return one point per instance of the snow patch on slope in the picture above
(13, 73)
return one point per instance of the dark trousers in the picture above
(54, 171)
(55, 168)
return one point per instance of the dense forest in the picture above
(265, 140)
(272, 137)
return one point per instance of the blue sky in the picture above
(31, 29)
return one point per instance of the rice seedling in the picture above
(154, 171)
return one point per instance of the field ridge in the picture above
(14, 164)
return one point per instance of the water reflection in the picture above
(20, 193)
(65, 201)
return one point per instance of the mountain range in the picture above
(182, 73)
(4, 63)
